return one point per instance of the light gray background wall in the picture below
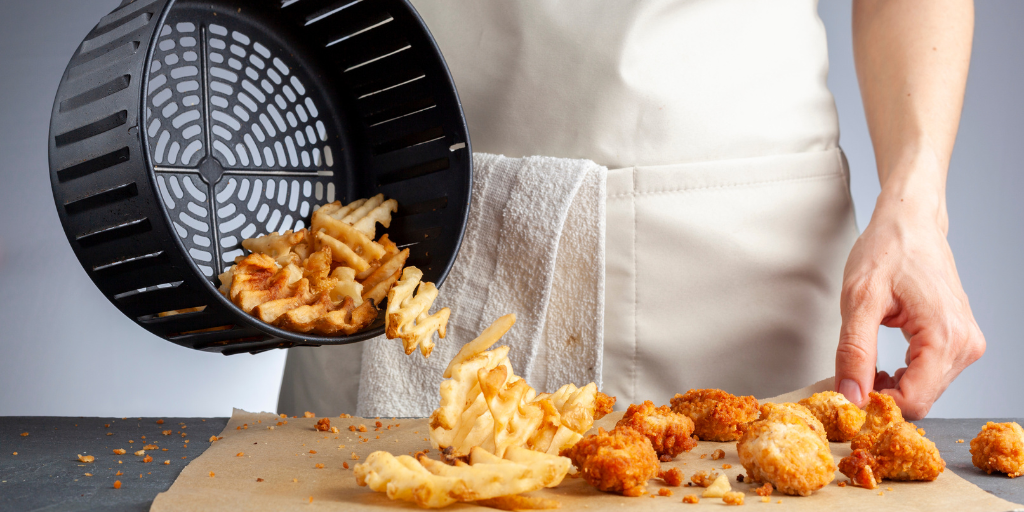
(65, 350)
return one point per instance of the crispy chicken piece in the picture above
(669, 432)
(772, 409)
(619, 461)
(880, 412)
(900, 452)
(716, 415)
(841, 418)
(999, 447)
(784, 451)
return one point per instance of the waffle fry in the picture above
(433, 484)
(484, 404)
(363, 214)
(384, 273)
(350, 246)
(281, 247)
(407, 316)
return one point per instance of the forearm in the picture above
(912, 58)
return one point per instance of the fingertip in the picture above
(852, 391)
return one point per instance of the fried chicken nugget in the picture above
(841, 418)
(880, 412)
(999, 447)
(669, 432)
(716, 414)
(773, 409)
(784, 451)
(900, 452)
(619, 461)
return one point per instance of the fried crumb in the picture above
(213, 439)
(308, 414)
(920, 431)
(117, 484)
(362, 428)
(259, 479)
(334, 430)
(351, 428)
(147, 459)
(726, 466)
(779, 502)
(140, 453)
(151, 447)
(163, 449)
(240, 454)
(86, 458)
(344, 465)
(880, 493)
(318, 466)
(313, 452)
(211, 474)
(378, 424)
(673, 477)
(765, 490)
(167, 463)
(717, 454)
(183, 458)
(888, 489)
(24, 434)
(354, 456)
(703, 478)
(323, 425)
(664, 492)
(166, 432)
(959, 441)
(703, 455)
(118, 473)
(143, 437)
(311, 499)
(110, 433)
(119, 451)
(842, 483)
(733, 498)
(295, 480)
(88, 474)
(106, 425)
(159, 422)
(691, 498)
(343, 415)
(765, 499)
(131, 441)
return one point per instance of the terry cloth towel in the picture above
(534, 246)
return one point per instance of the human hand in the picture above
(901, 273)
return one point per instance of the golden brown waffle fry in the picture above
(517, 502)
(407, 316)
(277, 246)
(433, 484)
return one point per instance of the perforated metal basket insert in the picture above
(181, 128)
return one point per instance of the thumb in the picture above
(857, 352)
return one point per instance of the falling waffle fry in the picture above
(407, 316)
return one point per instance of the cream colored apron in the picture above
(729, 212)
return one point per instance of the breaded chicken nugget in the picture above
(999, 447)
(716, 415)
(669, 432)
(784, 451)
(841, 418)
(880, 412)
(900, 452)
(771, 409)
(619, 461)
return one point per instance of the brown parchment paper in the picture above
(282, 457)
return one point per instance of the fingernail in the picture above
(850, 390)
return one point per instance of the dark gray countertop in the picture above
(46, 474)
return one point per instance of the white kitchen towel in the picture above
(534, 246)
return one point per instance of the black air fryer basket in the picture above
(182, 127)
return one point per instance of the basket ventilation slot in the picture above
(92, 129)
(112, 233)
(112, 87)
(103, 198)
(95, 165)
